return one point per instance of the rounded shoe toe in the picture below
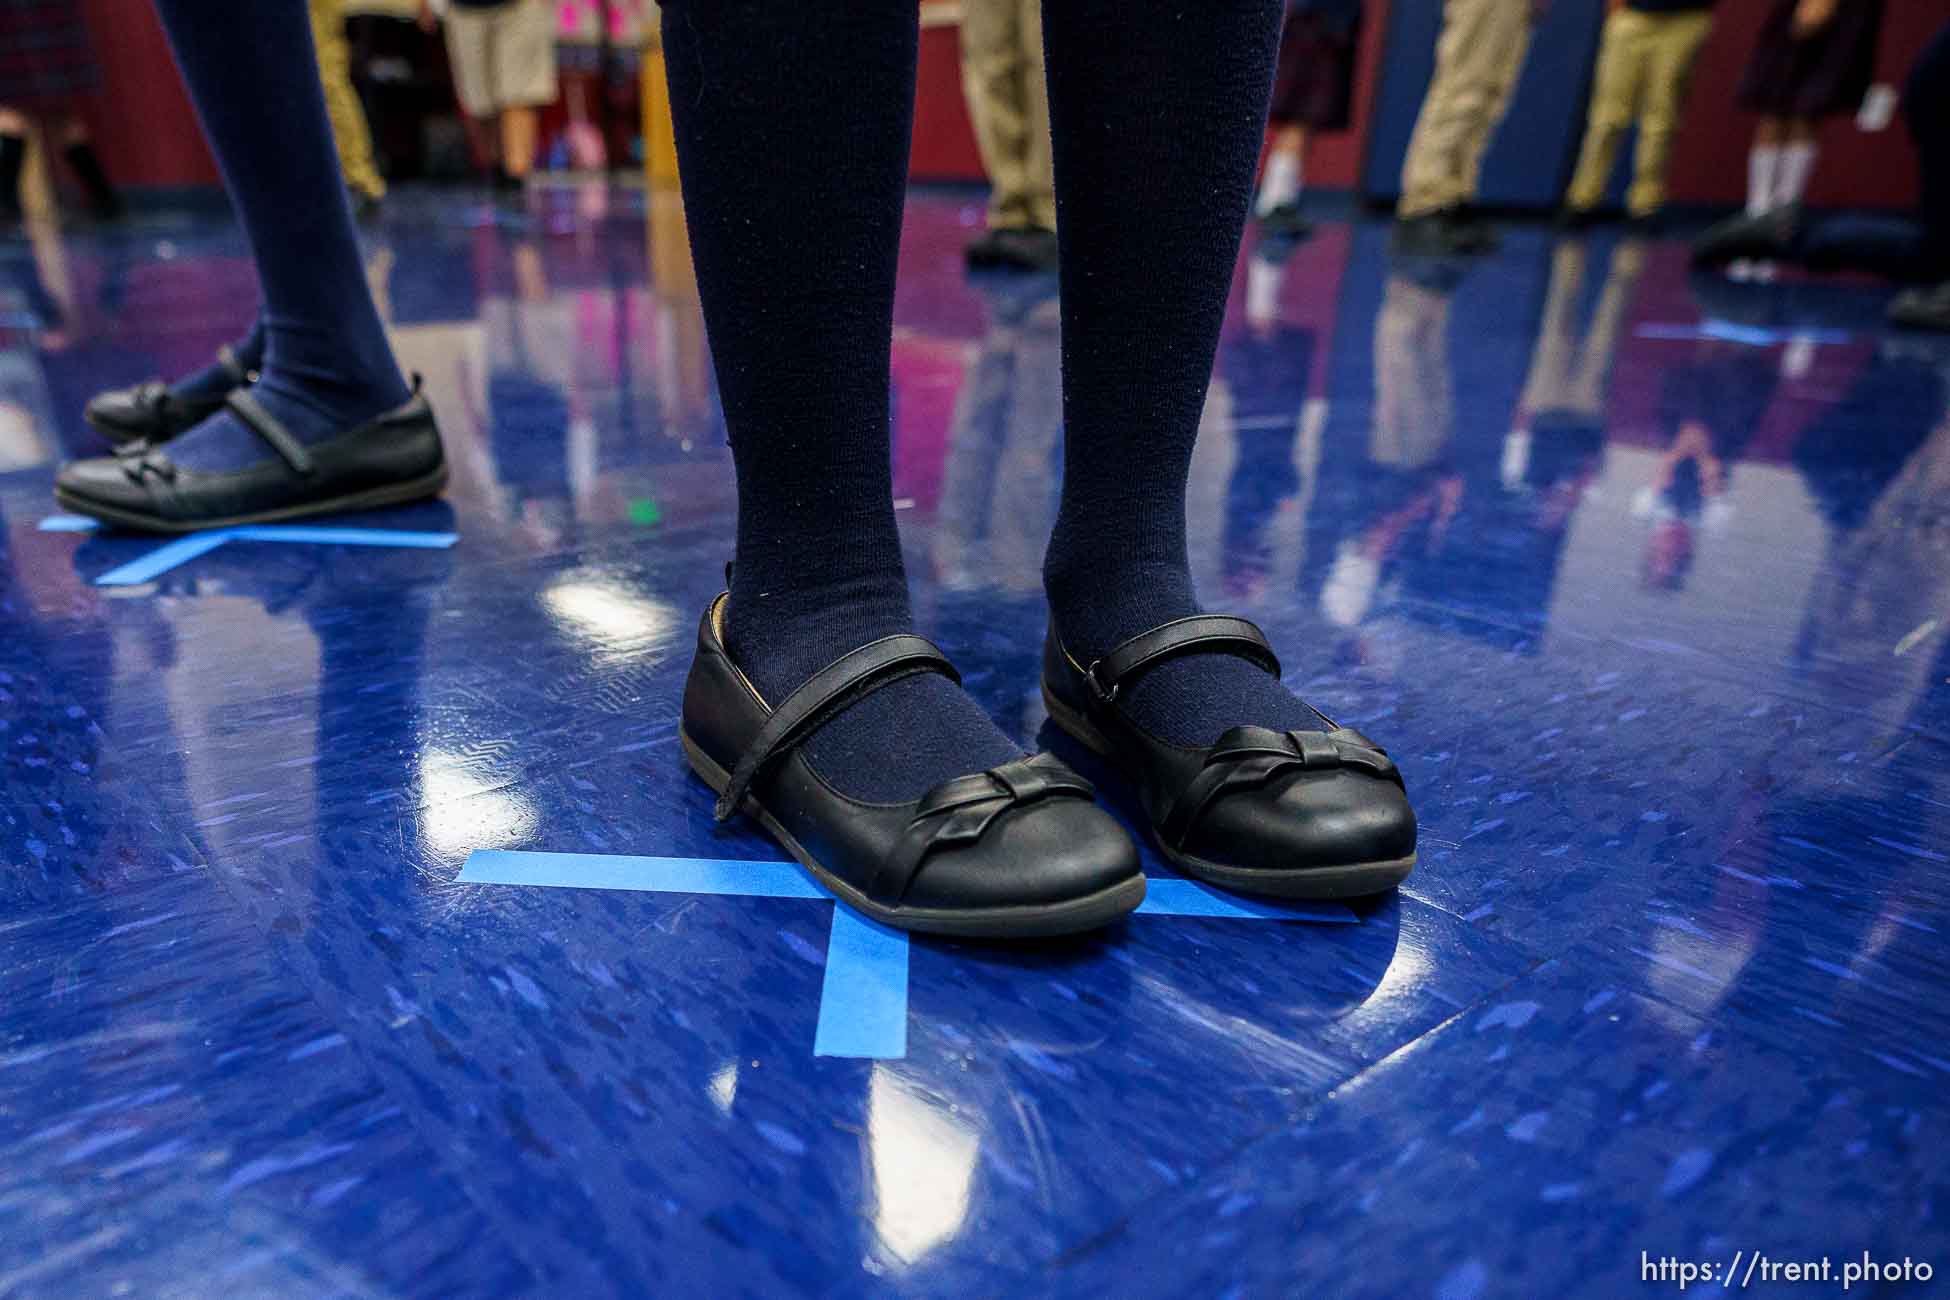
(1051, 852)
(105, 481)
(1307, 820)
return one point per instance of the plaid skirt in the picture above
(1826, 73)
(45, 59)
(1314, 82)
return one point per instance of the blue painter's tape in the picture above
(1753, 336)
(1166, 897)
(163, 559)
(654, 875)
(863, 1007)
(68, 524)
(344, 536)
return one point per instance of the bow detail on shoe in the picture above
(153, 395)
(959, 811)
(1247, 757)
(139, 460)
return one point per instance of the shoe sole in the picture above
(392, 494)
(1354, 880)
(1073, 916)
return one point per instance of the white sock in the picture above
(1797, 161)
(1281, 185)
(1763, 164)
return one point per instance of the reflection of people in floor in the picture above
(998, 494)
(1267, 366)
(531, 354)
(1917, 249)
(1313, 86)
(999, 485)
(1401, 487)
(1711, 408)
(1878, 465)
(1564, 394)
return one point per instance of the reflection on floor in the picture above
(1646, 582)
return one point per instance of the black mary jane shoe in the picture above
(149, 411)
(1292, 814)
(1017, 851)
(386, 461)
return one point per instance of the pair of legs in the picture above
(1779, 163)
(1916, 250)
(507, 137)
(1285, 169)
(792, 130)
(790, 112)
(1007, 91)
(1645, 63)
(1477, 62)
(350, 130)
(77, 146)
(503, 60)
(318, 356)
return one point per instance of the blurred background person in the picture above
(1916, 249)
(1008, 102)
(1645, 63)
(503, 58)
(1814, 59)
(1477, 61)
(1313, 87)
(46, 66)
(349, 129)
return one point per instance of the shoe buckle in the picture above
(1105, 694)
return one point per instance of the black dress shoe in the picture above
(1286, 221)
(1013, 248)
(1294, 814)
(1470, 232)
(387, 461)
(149, 411)
(1922, 308)
(1432, 234)
(1021, 849)
(1770, 237)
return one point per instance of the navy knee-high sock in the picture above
(792, 125)
(327, 364)
(1157, 109)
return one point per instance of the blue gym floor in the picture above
(1645, 582)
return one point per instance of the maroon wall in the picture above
(143, 121)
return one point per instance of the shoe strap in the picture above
(1199, 633)
(825, 693)
(240, 375)
(268, 427)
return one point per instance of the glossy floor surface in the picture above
(1645, 582)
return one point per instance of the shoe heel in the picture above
(701, 763)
